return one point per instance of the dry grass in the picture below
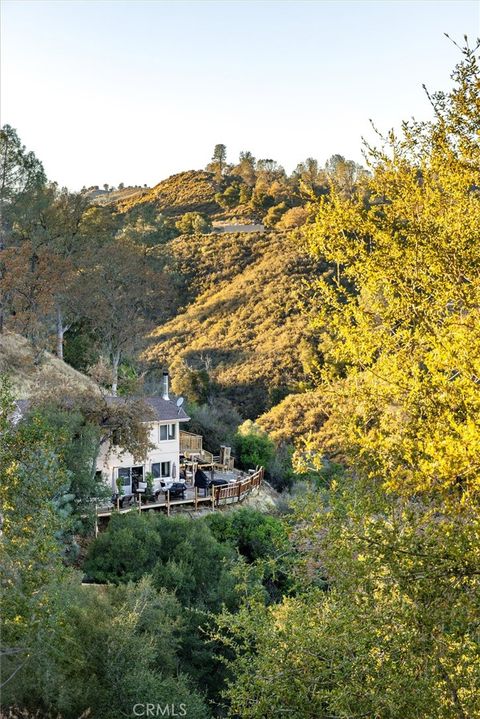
(31, 378)
(296, 418)
(192, 191)
(246, 323)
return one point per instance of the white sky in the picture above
(122, 91)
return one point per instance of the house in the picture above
(126, 476)
(120, 471)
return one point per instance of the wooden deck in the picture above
(234, 490)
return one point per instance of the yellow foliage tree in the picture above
(400, 316)
(395, 538)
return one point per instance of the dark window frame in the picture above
(169, 430)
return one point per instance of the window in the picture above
(124, 475)
(161, 470)
(127, 475)
(167, 431)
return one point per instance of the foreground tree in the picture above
(21, 176)
(398, 322)
(32, 478)
(395, 538)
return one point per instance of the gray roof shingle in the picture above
(165, 410)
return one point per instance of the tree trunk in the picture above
(115, 363)
(60, 331)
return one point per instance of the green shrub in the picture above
(109, 650)
(253, 447)
(280, 470)
(126, 551)
(263, 541)
(193, 223)
(194, 564)
(181, 555)
(256, 535)
(274, 214)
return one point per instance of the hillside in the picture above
(31, 376)
(191, 191)
(242, 319)
(295, 418)
(113, 197)
(203, 262)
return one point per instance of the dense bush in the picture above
(194, 564)
(186, 558)
(126, 551)
(280, 470)
(253, 447)
(274, 214)
(182, 556)
(294, 217)
(254, 534)
(111, 648)
(263, 541)
(193, 223)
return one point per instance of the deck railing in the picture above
(236, 491)
(190, 443)
(218, 496)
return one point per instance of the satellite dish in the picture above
(180, 401)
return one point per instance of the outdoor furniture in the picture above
(178, 489)
(218, 482)
(126, 500)
(201, 480)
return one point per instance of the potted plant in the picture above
(149, 486)
(123, 489)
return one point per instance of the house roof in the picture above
(165, 410)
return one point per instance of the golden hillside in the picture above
(243, 323)
(297, 418)
(204, 262)
(192, 191)
(33, 375)
(115, 197)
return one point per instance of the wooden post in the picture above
(118, 502)
(168, 502)
(213, 497)
(139, 499)
(239, 491)
(196, 498)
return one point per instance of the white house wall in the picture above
(110, 460)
